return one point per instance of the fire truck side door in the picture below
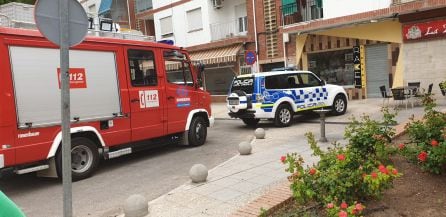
(180, 90)
(146, 92)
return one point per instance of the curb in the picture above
(281, 194)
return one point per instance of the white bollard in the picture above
(198, 173)
(136, 206)
(244, 148)
(259, 133)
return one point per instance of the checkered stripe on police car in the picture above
(318, 95)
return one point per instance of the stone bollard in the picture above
(136, 206)
(198, 173)
(259, 133)
(244, 148)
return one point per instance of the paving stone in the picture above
(206, 189)
(225, 194)
(245, 186)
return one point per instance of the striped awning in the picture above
(217, 55)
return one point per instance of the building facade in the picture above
(364, 49)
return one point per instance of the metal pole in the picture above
(128, 12)
(255, 34)
(65, 108)
(323, 138)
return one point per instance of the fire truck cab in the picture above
(125, 95)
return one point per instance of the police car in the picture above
(279, 95)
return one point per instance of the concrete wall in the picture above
(340, 8)
(425, 62)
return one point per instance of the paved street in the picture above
(151, 173)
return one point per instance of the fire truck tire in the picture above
(197, 131)
(84, 158)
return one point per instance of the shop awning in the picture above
(105, 6)
(217, 55)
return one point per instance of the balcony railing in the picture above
(301, 11)
(231, 29)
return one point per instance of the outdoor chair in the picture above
(385, 94)
(429, 89)
(400, 95)
(415, 87)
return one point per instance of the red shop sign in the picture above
(417, 31)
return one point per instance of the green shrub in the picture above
(346, 174)
(428, 146)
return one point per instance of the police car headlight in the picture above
(259, 98)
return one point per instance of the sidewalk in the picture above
(243, 179)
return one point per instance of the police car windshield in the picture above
(245, 84)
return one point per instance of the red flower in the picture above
(401, 146)
(422, 156)
(374, 175)
(344, 205)
(341, 157)
(283, 159)
(383, 169)
(330, 205)
(395, 172)
(312, 171)
(359, 207)
(343, 213)
(434, 143)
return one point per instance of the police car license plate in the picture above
(233, 102)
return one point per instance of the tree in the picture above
(21, 1)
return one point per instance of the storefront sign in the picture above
(417, 31)
(357, 66)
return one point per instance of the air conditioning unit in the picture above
(217, 4)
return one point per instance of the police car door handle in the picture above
(170, 98)
(134, 100)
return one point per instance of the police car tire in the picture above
(339, 99)
(93, 159)
(197, 131)
(251, 122)
(283, 109)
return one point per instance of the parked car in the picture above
(279, 95)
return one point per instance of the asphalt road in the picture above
(150, 173)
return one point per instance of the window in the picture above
(166, 26)
(194, 20)
(142, 68)
(309, 80)
(242, 18)
(276, 82)
(177, 68)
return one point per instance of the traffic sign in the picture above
(47, 18)
(250, 57)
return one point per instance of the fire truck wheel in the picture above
(197, 131)
(84, 158)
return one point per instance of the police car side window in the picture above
(309, 80)
(276, 82)
(177, 68)
(142, 68)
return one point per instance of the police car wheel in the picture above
(84, 158)
(283, 116)
(197, 131)
(339, 105)
(251, 122)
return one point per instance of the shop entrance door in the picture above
(377, 68)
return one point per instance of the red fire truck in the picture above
(125, 95)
